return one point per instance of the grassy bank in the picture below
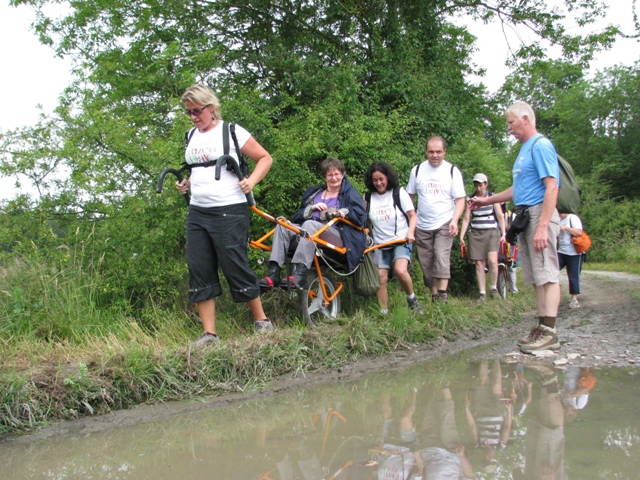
(64, 356)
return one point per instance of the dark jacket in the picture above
(354, 240)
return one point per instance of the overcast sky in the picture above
(33, 76)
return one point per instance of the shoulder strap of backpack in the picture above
(534, 144)
(244, 167)
(397, 203)
(187, 136)
(225, 138)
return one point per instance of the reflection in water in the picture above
(449, 419)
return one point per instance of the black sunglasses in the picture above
(195, 111)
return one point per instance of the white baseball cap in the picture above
(481, 178)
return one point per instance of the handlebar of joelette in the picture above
(232, 165)
(178, 175)
(231, 162)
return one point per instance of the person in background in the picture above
(391, 222)
(441, 200)
(218, 218)
(570, 226)
(486, 233)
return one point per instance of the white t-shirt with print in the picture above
(206, 191)
(437, 190)
(384, 215)
(565, 239)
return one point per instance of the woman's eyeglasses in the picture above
(195, 111)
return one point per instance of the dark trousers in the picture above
(574, 267)
(218, 237)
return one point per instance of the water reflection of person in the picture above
(520, 394)
(578, 382)
(544, 443)
(489, 413)
(433, 463)
(442, 455)
(403, 431)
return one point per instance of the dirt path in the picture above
(604, 331)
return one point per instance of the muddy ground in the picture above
(603, 331)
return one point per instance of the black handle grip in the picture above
(178, 175)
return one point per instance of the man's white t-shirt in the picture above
(437, 189)
(206, 191)
(389, 223)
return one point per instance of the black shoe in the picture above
(273, 277)
(299, 277)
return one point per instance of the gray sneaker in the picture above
(574, 303)
(440, 297)
(547, 340)
(205, 340)
(264, 326)
(414, 305)
(495, 294)
(482, 298)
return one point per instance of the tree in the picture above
(359, 79)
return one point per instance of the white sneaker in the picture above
(574, 303)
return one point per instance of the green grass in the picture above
(613, 267)
(64, 355)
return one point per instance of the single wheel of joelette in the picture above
(312, 300)
(503, 280)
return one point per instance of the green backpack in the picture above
(569, 193)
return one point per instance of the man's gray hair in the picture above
(520, 109)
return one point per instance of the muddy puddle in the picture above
(459, 418)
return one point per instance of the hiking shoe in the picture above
(264, 326)
(434, 297)
(482, 298)
(205, 340)
(414, 305)
(574, 303)
(547, 340)
(531, 337)
(495, 294)
(299, 277)
(273, 277)
(443, 297)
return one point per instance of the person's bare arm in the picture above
(465, 222)
(497, 208)
(502, 197)
(540, 237)
(258, 154)
(413, 222)
(457, 213)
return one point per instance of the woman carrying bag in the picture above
(570, 227)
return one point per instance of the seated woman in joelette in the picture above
(337, 197)
(391, 222)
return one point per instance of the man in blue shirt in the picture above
(536, 178)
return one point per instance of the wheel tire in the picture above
(503, 281)
(311, 300)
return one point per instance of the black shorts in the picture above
(218, 237)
